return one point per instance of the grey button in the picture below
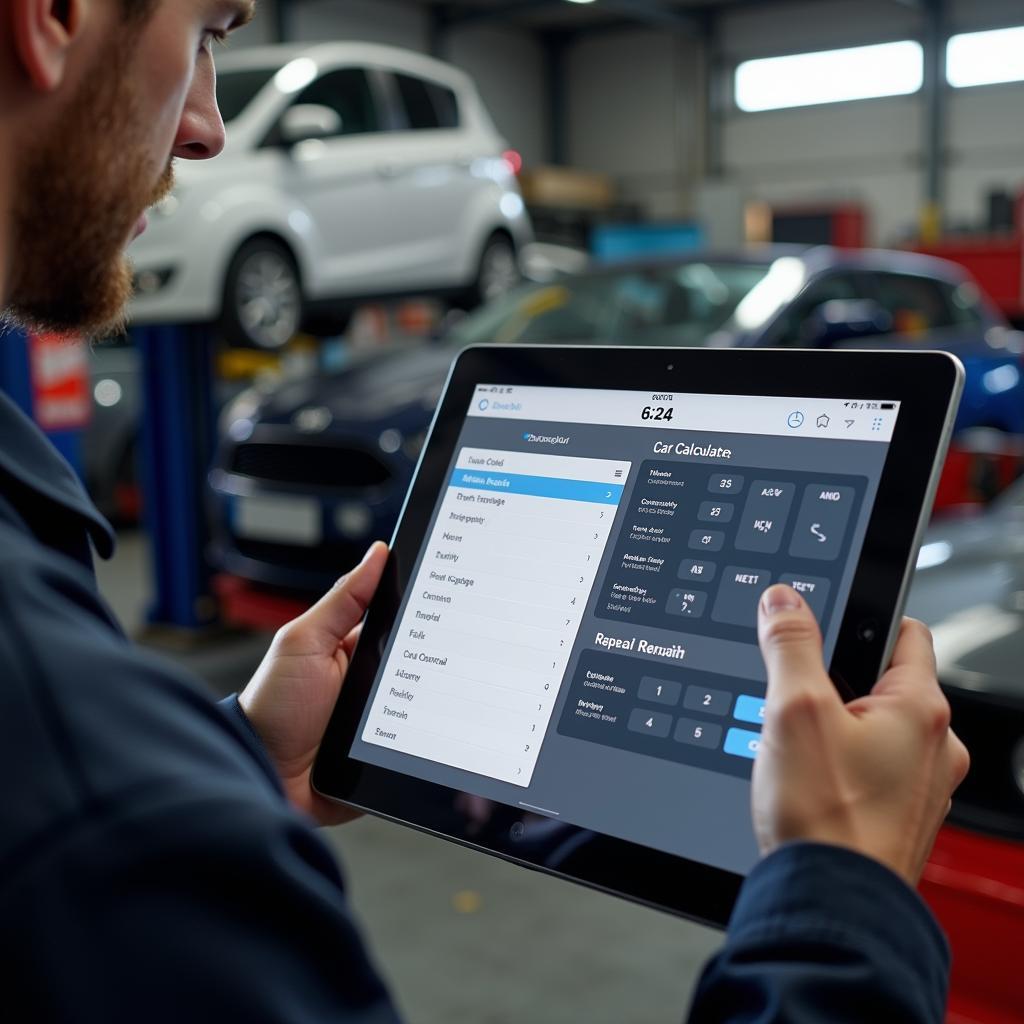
(716, 512)
(821, 524)
(738, 594)
(689, 603)
(654, 723)
(813, 588)
(660, 691)
(707, 540)
(764, 516)
(698, 734)
(696, 571)
(725, 483)
(711, 702)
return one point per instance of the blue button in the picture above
(741, 743)
(749, 709)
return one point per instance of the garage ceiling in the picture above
(560, 14)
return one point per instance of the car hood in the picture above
(968, 343)
(370, 388)
(973, 600)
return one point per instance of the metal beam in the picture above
(936, 93)
(556, 82)
(650, 12)
(503, 14)
(713, 99)
(437, 32)
(646, 12)
(281, 21)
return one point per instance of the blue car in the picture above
(308, 474)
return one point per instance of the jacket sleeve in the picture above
(822, 934)
(151, 869)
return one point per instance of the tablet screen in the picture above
(579, 635)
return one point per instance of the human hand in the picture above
(290, 698)
(875, 775)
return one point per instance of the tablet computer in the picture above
(560, 666)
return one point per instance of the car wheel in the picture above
(498, 272)
(262, 295)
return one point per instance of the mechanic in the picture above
(157, 850)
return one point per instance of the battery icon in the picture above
(888, 405)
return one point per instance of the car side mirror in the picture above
(306, 121)
(842, 320)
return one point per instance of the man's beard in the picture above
(79, 193)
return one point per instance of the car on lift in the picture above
(969, 588)
(307, 474)
(351, 171)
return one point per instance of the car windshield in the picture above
(678, 304)
(235, 89)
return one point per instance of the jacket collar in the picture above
(28, 457)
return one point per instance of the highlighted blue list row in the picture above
(538, 486)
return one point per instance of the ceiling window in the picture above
(985, 58)
(830, 76)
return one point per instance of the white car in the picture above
(351, 171)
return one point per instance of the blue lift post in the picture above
(178, 436)
(16, 382)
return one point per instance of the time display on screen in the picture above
(657, 412)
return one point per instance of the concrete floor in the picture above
(463, 937)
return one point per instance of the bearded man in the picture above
(159, 861)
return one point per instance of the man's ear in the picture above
(44, 32)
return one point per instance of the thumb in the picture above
(790, 644)
(341, 609)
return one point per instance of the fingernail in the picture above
(780, 598)
(369, 551)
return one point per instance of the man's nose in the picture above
(201, 129)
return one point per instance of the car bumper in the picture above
(975, 886)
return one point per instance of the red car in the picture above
(969, 588)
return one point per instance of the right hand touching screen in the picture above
(875, 775)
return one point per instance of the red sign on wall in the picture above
(60, 382)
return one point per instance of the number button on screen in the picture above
(698, 734)
(749, 709)
(723, 483)
(653, 723)
(660, 691)
(711, 702)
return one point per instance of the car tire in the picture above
(497, 272)
(263, 303)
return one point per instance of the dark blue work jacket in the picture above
(151, 869)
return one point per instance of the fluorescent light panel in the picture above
(830, 76)
(985, 58)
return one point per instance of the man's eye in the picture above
(211, 36)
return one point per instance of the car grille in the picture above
(316, 465)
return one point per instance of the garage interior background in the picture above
(641, 91)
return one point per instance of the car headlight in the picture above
(242, 408)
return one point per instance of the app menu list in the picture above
(473, 674)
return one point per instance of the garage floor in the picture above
(463, 937)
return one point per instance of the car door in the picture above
(338, 182)
(793, 327)
(918, 305)
(432, 180)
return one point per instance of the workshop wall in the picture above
(635, 113)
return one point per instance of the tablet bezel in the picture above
(927, 384)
